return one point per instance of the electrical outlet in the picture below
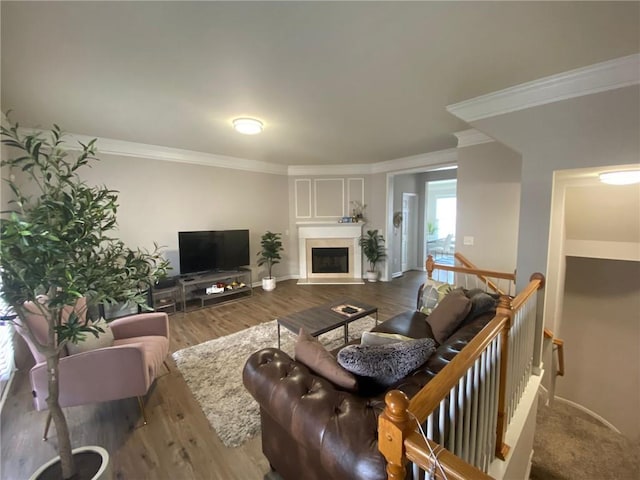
(467, 240)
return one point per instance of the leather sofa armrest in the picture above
(338, 426)
(141, 324)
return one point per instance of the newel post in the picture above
(430, 264)
(394, 423)
(504, 308)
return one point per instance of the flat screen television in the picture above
(212, 250)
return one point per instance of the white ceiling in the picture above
(334, 82)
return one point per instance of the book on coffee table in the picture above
(347, 310)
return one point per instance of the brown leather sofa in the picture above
(312, 429)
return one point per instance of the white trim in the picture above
(467, 138)
(315, 197)
(353, 169)
(7, 387)
(591, 413)
(349, 199)
(156, 152)
(295, 193)
(600, 77)
(417, 162)
(111, 146)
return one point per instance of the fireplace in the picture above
(330, 260)
(329, 253)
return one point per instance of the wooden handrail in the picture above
(431, 265)
(469, 264)
(560, 344)
(429, 397)
(536, 282)
(454, 467)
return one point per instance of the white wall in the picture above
(489, 205)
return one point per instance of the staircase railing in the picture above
(467, 407)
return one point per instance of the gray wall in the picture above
(488, 205)
(589, 131)
(601, 329)
(158, 199)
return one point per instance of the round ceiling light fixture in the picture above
(248, 126)
(627, 177)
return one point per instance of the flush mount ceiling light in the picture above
(247, 126)
(626, 177)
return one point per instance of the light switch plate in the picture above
(467, 240)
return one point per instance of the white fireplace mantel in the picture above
(330, 230)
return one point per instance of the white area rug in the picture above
(213, 372)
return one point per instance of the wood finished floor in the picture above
(178, 442)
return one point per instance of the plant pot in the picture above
(269, 283)
(92, 463)
(372, 276)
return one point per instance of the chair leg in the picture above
(142, 410)
(47, 424)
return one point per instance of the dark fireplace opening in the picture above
(330, 260)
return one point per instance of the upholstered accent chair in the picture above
(126, 367)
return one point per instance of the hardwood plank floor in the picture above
(178, 442)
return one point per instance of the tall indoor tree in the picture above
(57, 245)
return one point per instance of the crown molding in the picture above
(600, 77)
(167, 154)
(445, 157)
(467, 138)
(351, 169)
(111, 146)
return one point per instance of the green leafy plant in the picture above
(56, 247)
(269, 254)
(432, 228)
(373, 248)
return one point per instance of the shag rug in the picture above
(213, 372)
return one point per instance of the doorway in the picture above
(440, 219)
(409, 231)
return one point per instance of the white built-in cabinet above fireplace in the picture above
(327, 235)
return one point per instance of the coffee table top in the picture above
(321, 319)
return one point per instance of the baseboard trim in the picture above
(6, 389)
(582, 408)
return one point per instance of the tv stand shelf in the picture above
(193, 288)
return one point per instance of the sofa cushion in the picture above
(449, 314)
(382, 338)
(309, 351)
(481, 302)
(386, 364)
(91, 342)
(410, 323)
(432, 294)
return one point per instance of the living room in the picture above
(173, 179)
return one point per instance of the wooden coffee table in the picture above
(324, 318)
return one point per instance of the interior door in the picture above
(409, 231)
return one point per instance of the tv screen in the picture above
(203, 251)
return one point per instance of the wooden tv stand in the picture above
(193, 288)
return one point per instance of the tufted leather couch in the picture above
(312, 429)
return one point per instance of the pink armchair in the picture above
(125, 369)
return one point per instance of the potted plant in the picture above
(57, 246)
(373, 249)
(269, 254)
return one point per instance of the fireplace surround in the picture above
(325, 238)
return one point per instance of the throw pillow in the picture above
(432, 294)
(449, 314)
(90, 341)
(481, 302)
(381, 338)
(386, 364)
(310, 352)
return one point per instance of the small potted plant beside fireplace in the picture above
(269, 255)
(374, 250)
